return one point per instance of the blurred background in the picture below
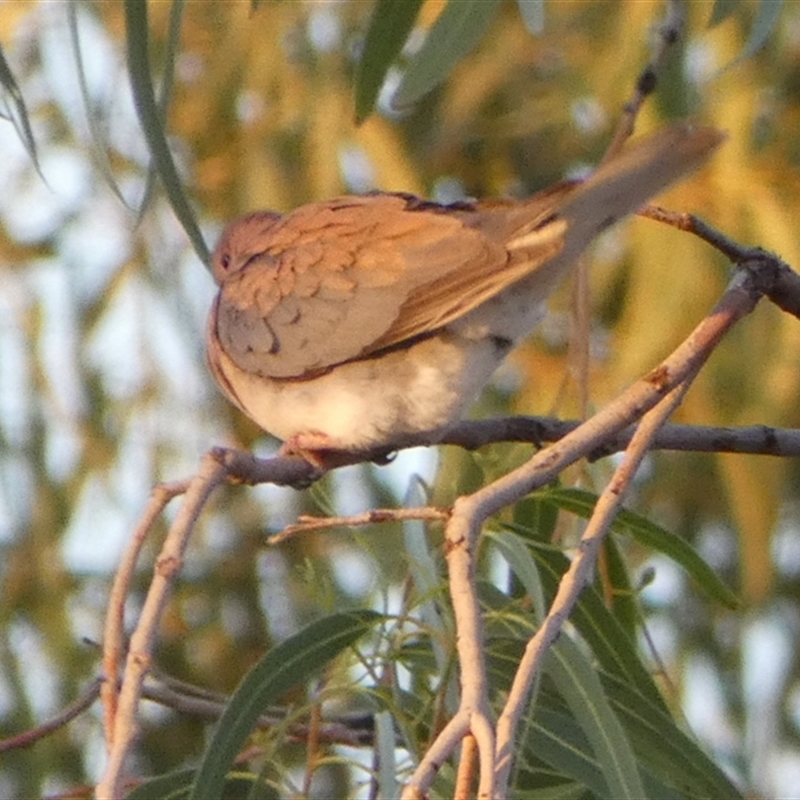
(104, 389)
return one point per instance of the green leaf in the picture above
(554, 745)
(425, 574)
(173, 786)
(389, 27)
(562, 791)
(151, 122)
(666, 756)
(669, 756)
(18, 111)
(541, 518)
(580, 686)
(765, 22)
(457, 30)
(165, 96)
(99, 145)
(722, 10)
(650, 535)
(290, 663)
(624, 602)
(518, 557)
(559, 741)
(176, 786)
(612, 646)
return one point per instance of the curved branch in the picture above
(74, 709)
(212, 472)
(114, 632)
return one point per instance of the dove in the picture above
(366, 322)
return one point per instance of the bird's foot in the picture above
(321, 452)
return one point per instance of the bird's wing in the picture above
(342, 279)
(347, 278)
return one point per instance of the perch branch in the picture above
(754, 439)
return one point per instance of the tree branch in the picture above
(73, 710)
(470, 512)
(212, 472)
(668, 32)
(575, 578)
(307, 523)
(114, 634)
(774, 277)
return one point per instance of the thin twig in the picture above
(466, 769)
(442, 747)
(356, 730)
(66, 715)
(774, 277)
(306, 523)
(114, 634)
(474, 714)
(312, 747)
(212, 472)
(669, 31)
(689, 223)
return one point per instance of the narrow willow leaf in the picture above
(580, 686)
(670, 757)
(562, 791)
(18, 111)
(518, 557)
(176, 786)
(624, 602)
(150, 120)
(165, 95)
(290, 663)
(765, 22)
(541, 518)
(99, 143)
(652, 536)
(389, 27)
(672, 766)
(173, 786)
(425, 574)
(457, 30)
(613, 648)
(722, 10)
(558, 740)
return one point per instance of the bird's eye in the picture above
(225, 261)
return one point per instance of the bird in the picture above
(364, 323)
